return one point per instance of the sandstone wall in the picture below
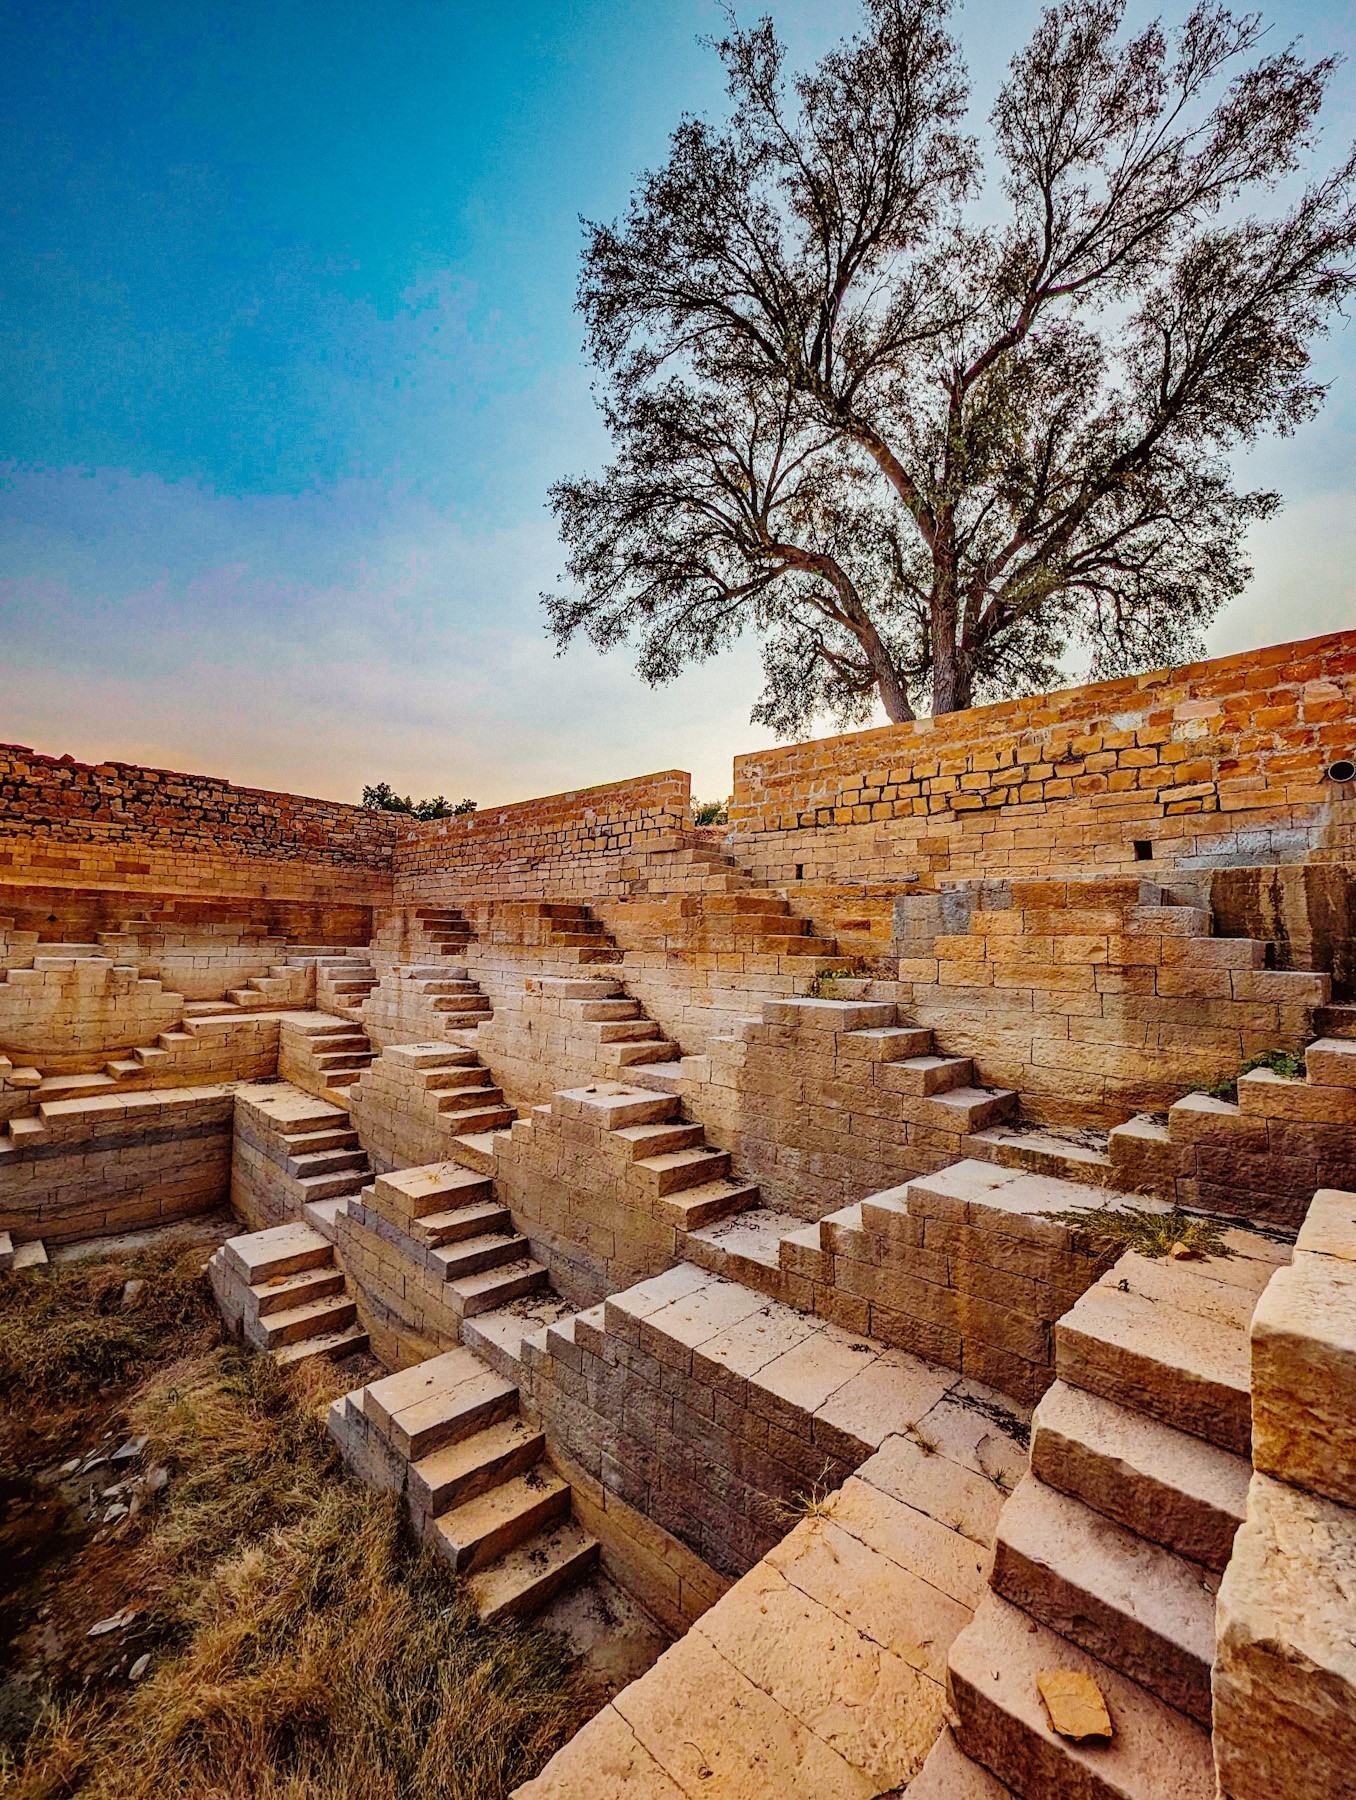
(579, 845)
(1214, 764)
(88, 1168)
(120, 826)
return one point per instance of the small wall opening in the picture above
(1144, 850)
(800, 871)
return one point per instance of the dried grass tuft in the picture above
(1110, 1234)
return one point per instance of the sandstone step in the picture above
(1044, 1153)
(1172, 1489)
(333, 1187)
(1336, 1021)
(677, 1169)
(327, 1162)
(479, 1530)
(969, 1109)
(473, 1255)
(462, 1470)
(306, 1143)
(926, 1075)
(949, 1774)
(460, 1223)
(889, 1043)
(285, 1291)
(471, 1295)
(429, 1057)
(314, 1318)
(332, 1345)
(258, 1256)
(1001, 1722)
(320, 1215)
(476, 1149)
(480, 1098)
(661, 1138)
(604, 1012)
(478, 1121)
(522, 1582)
(659, 1077)
(446, 1400)
(31, 1255)
(707, 1202)
(1189, 1371)
(1135, 1606)
(465, 1075)
(501, 1336)
(648, 1050)
(746, 1248)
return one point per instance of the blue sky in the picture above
(288, 360)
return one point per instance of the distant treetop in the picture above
(382, 797)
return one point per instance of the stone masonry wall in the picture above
(1217, 763)
(565, 846)
(87, 1168)
(117, 825)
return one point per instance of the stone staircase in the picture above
(446, 1219)
(1259, 1157)
(446, 930)
(695, 900)
(616, 1026)
(617, 1138)
(1108, 1556)
(414, 1101)
(342, 983)
(415, 1001)
(339, 1054)
(820, 1671)
(283, 1291)
(296, 1155)
(448, 1433)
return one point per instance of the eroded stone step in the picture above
(438, 1402)
(285, 1291)
(331, 1345)
(1134, 1605)
(479, 1530)
(475, 1294)
(1170, 1488)
(460, 1471)
(523, 1581)
(258, 1256)
(312, 1318)
(1001, 1722)
(1148, 1352)
(473, 1255)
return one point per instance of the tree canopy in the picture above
(930, 420)
(380, 796)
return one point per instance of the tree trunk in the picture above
(893, 697)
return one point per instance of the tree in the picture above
(382, 797)
(922, 455)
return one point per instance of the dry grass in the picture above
(66, 1337)
(302, 1649)
(1109, 1234)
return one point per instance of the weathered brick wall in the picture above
(117, 825)
(1216, 763)
(582, 844)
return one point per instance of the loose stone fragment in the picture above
(1074, 1704)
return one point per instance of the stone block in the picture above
(1285, 1670)
(1304, 1376)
